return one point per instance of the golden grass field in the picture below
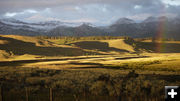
(116, 68)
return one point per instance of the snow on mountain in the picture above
(45, 26)
(155, 19)
(11, 21)
(124, 21)
(150, 19)
(122, 27)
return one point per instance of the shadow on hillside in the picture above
(21, 62)
(134, 57)
(96, 45)
(19, 47)
(159, 47)
(154, 46)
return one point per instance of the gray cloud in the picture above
(22, 4)
(103, 11)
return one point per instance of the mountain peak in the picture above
(83, 25)
(162, 18)
(155, 19)
(150, 19)
(51, 23)
(124, 21)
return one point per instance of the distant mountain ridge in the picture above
(124, 21)
(150, 27)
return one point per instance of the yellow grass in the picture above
(38, 42)
(96, 66)
(119, 44)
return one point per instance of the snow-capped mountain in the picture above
(122, 27)
(11, 21)
(124, 21)
(13, 26)
(44, 26)
(156, 19)
(150, 19)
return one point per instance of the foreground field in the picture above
(78, 78)
(35, 69)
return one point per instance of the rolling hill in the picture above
(15, 46)
(21, 47)
(12, 45)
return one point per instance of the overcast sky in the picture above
(98, 12)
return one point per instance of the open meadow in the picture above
(86, 68)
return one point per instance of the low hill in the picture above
(12, 45)
(108, 46)
(36, 41)
(120, 44)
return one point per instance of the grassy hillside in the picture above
(21, 45)
(14, 46)
(87, 68)
(120, 44)
(36, 41)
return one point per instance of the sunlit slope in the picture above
(120, 44)
(4, 54)
(26, 47)
(15, 45)
(36, 41)
(11, 45)
(106, 46)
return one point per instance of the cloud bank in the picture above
(98, 12)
